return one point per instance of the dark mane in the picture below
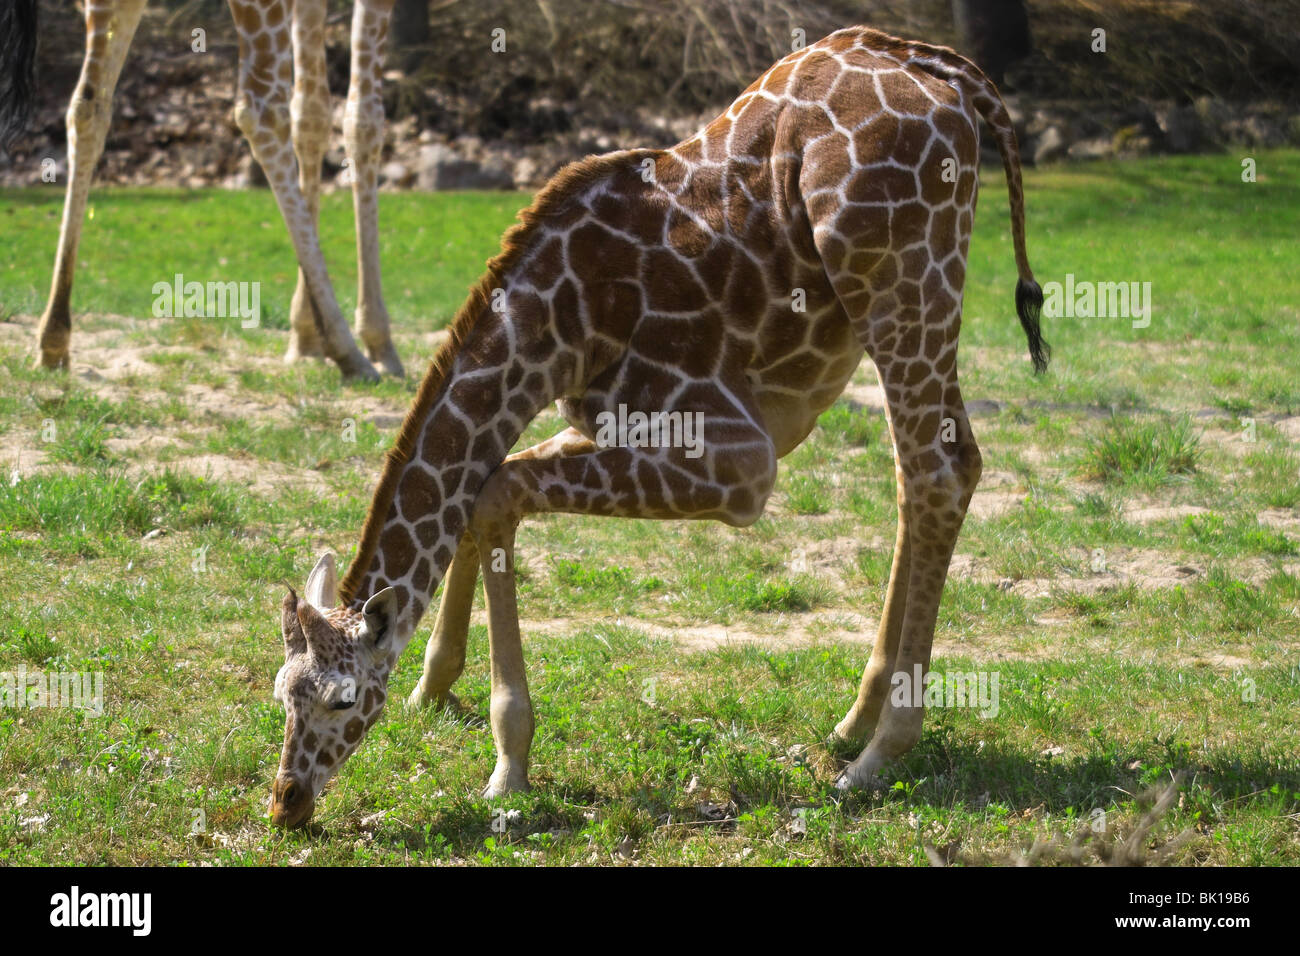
(562, 188)
(18, 25)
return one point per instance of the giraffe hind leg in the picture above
(109, 31)
(309, 113)
(263, 113)
(363, 133)
(938, 466)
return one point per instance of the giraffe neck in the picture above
(501, 367)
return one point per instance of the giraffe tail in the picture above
(951, 66)
(17, 66)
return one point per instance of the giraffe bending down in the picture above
(663, 281)
(282, 107)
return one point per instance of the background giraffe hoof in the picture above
(51, 360)
(297, 353)
(389, 361)
(357, 368)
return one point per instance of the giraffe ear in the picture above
(294, 640)
(380, 613)
(323, 584)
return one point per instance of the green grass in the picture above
(1141, 452)
(1130, 569)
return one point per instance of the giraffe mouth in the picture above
(292, 804)
(292, 819)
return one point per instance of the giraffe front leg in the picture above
(444, 657)
(109, 30)
(510, 711)
(363, 134)
(728, 476)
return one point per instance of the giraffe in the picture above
(282, 108)
(665, 281)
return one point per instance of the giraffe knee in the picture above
(263, 123)
(497, 512)
(81, 111)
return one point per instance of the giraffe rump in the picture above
(563, 187)
(953, 67)
(17, 75)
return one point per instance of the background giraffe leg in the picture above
(263, 115)
(110, 26)
(310, 117)
(444, 657)
(940, 465)
(363, 134)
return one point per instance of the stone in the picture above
(1097, 147)
(527, 172)
(1051, 146)
(394, 173)
(442, 169)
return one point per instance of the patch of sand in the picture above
(1146, 513)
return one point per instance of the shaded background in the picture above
(581, 76)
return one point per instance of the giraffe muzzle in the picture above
(292, 802)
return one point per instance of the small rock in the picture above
(1098, 147)
(1051, 146)
(395, 174)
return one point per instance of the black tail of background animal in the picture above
(17, 66)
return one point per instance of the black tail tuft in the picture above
(1029, 305)
(17, 66)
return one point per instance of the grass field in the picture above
(1130, 569)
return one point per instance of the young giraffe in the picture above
(282, 107)
(663, 280)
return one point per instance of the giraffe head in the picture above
(333, 685)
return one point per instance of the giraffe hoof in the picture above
(388, 360)
(850, 781)
(357, 368)
(848, 734)
(50, 360)
(419, 701)
(861, 774)
(297, 352)
(495, 789)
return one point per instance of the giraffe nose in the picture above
(292, 802)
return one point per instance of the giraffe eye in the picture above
(342, 704)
